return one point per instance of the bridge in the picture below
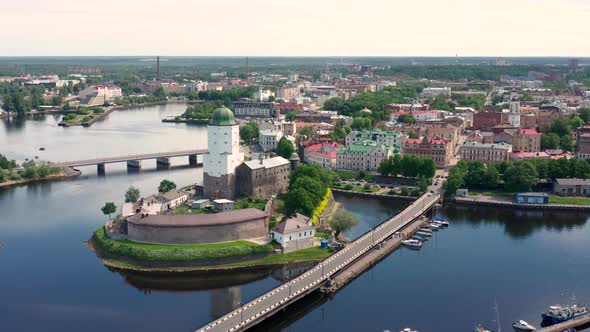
(134, 161)
(280, 297)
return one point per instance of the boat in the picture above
(412, 243)
(407, 329)
(559, 314)
(480, 328)
(423, 233)
(41, 149)
(425, 230)
(442, 223)
(420, 237)
(433, 227)
(522, 325)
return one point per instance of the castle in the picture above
(226, 175)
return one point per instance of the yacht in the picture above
(412, 243)
(425, 230)
(559, 314)
(522, 325)
(420, 237)
(441, 222)
(421, 233)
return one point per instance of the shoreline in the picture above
(63, 175)
(497, 203)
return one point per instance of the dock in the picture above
(365, 262)
(583, 321)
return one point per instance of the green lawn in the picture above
(309, 254)
(185, 209)
(157, 252)
(250, 202)
(569, 200)
(490, 192)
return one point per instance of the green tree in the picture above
(360, 123)
(423, 184)
(584, 114)
(549, 141)
(427, 168)
(342, 221)
(285, 148)
(160, 93)
(298, 200)
(5, 163)
(576, 122)
(109, 208)
(290, 116)
(520, 176)
(313, 187)
(166, 186)
(406, 118)
(132, 195)
(307, 131)
(561, 127)
(249, 132)
(566, 143)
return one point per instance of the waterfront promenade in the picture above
(278, 298)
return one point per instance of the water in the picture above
(51, 282)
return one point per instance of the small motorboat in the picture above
(420, 237)
(42, 148)
(522, 325)
(425, 230)
(442, 223)
(432, 227)
(480, 328)
(412, 243)
(407, 329)
(423, 233)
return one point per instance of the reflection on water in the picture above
(517, 223)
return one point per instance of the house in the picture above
(325, 154)
(487, 153)
(222, 205)
(201, 204)
(264, 177)
(531, 198)
(294, 233)
(156, 204)
(438, 149)
(571, 187)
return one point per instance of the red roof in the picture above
(438, 141)
(412, 140)
(528, 132)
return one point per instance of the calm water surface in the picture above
(52, 282)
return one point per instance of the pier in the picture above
(134, 161)
(583, 321)
(350, 259)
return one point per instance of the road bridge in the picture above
(280, 297)
(134, 161)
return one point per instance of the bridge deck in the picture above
(265, 305)
(119, 159)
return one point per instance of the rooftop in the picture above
(502, 145)
(298, 222)
(573, 182)
(267, 163)
(222, 218)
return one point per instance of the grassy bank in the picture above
(309, 254)
(569, 200)
(156, 252)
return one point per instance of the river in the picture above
(524, 261)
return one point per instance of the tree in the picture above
(584, 114)
(166, 186)
(342, 221)
(520, 176)
(561, 127)
(313, 187)
(307, 131)
(285, 148)
(5, 163)
(566, 143)
(298, 200)
(360, 123)
(413, 135)
(290, 116)
(160, 93)
(406, 118)
(132, 195)
(576, 122)
(427, 168)
(249, 132)
(549, 141)
(109, 208)
(423, 184)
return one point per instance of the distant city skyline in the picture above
(295, 28)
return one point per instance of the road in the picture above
(108, 160)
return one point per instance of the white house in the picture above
(156, 204)
(294, 233)
(269, 139)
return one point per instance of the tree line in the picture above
(513, 176)
(307, 186)
(408, 166)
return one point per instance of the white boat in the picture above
(442, 223)
(407, 329)
(425, 230)
(412, 243)
(423, 233)
(522, 325)
(432, 227)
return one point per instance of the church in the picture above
(226, 175)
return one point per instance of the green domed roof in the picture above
(294, 156)
(223, 116)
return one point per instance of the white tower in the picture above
(219, 164)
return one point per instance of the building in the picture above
(388, 138)
(438, 149)
(263, 95)
(435, 92)
(314, 117)
(531, 198)
(486, 152)
(294, 233)
(364, 155)
(264, 178)
(526, 140)
(486, 120)
(99, 94)
(156, 204)
(420, 116)
(288, 93)
(222, 205)
(583, 142)
(199, 228)
(220, 162)
(269, 139)
(254, 109)
(324, 154)
(571, 187)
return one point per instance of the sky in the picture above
(295, 27)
